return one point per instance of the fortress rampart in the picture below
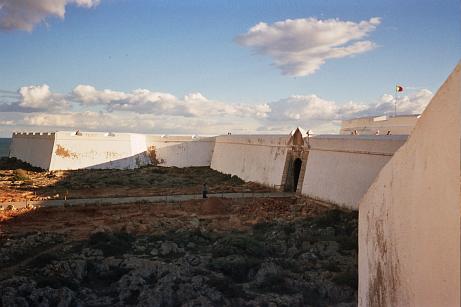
(35, 148)
(258, 158)
(340, 168)
(180, 151)
(333, 168)
(409, 219)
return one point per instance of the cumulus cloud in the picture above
(132, 122)
(411, 104)
(25, 14)
(146, 101)
(33, 98)
(40, 97)
(312, 107)
(37, 108)
(298, 47)
(88, 94)
(302, 108)
(313, 112)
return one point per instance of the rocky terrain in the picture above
(215, 252)
(20, 181)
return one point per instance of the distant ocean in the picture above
(4, 147)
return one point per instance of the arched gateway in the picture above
(295, 164)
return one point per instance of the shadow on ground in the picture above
(265, 252)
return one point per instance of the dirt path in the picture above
(149, 199)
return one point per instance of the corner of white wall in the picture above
(409, 220)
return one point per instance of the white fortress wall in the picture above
(181, 151)
(258, 158)
(98, 150)
(409, 220)
(34, 148)
(340, 168)
(400, 124)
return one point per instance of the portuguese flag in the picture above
(398, 88)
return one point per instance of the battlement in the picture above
(33, 134)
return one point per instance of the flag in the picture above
(399, 88)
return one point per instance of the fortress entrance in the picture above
(293, 174)
(295, 163)
(296, 171)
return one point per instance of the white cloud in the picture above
(320, 115)
(414, 103)
(298, 47)
(39, 97)
(131, 122)
(7, 122)
(88, 94)
(145, 101)
(302, 108)
(25, 14)
(37, 108)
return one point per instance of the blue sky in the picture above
(183, 47)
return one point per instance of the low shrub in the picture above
(348, 242)
(227, 287)
(347, 278)
(42, 260)
(56, 282)
(236, 267)
(329, 218)
(332, 266)
(111, 244)
(262, 227)
(20, 175)
(275, 283)
(240, 245)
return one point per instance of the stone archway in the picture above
(295, 163)
(296, 172)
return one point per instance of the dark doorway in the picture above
(296, 171)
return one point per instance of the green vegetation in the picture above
(236, 267)
(111, 244)
(20, 175)
(239, 244)
(347, 278)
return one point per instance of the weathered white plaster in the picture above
(341, 168)
(409, 220)
(258, 158)
(71, 150)
(34, 148)
(182, 151)
(98, 150)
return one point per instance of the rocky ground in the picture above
(19, 181)
(215, 252)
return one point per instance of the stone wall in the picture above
(35, 148)
(341, 168)
(181, 151)
(337, 169)
(258, 158)
(98, 150)
(409, 220)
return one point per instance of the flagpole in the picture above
(395, 102)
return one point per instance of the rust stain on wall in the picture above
(65, 153)
(385, 281)
(152, 154)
